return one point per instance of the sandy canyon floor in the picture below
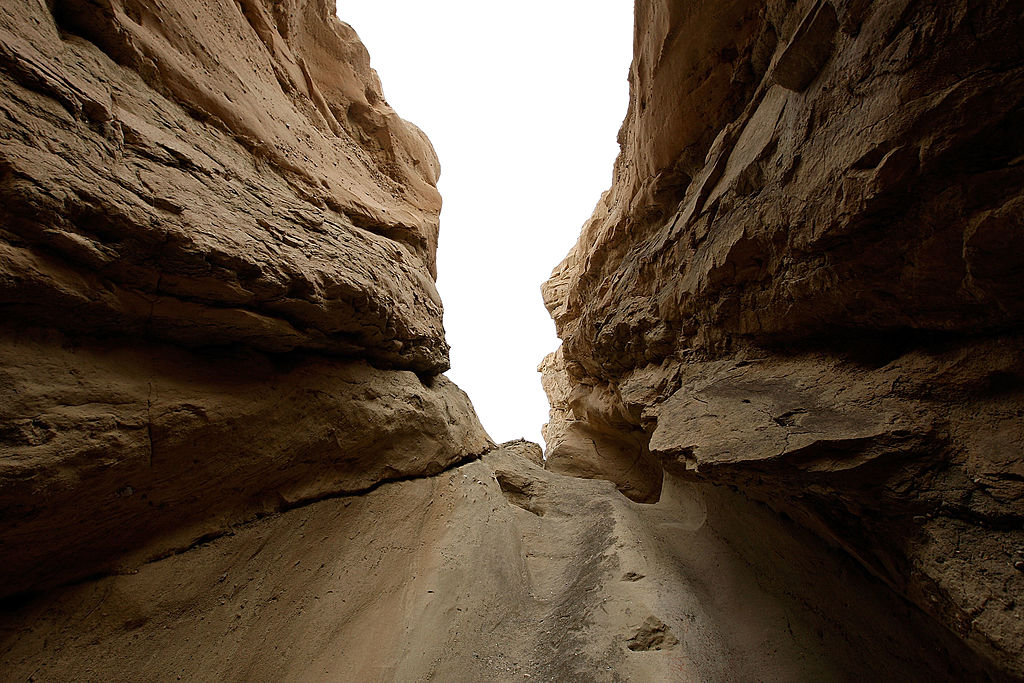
(496, 570)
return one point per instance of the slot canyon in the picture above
(786, 433)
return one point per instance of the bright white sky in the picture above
(522, 101)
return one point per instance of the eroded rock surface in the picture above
(214, 173)
(461, 577)
(216, 278)
(115, 454)
(805, 283)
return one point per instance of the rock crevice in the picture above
(792, 330)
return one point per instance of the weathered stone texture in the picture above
(217, 247)
(805, 282)
(113, 454)
(214, 173)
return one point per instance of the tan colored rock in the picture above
(793, 204)
(589, 436)
(805, 283)
(526, 449)
(217, 247)
(494, 571)
(115, 454)
(214, 173)
(927, 476)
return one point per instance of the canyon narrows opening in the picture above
(522, 102)
(786, 416)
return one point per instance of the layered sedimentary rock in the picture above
(805, 283)
(216, 278)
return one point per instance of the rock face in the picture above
(216, 277)
(805, 283)
(589, 436)
(214, 173)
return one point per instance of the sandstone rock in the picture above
(213, 173)
(123, 454)
(653, 634)
(805, 283)
(495, 570)
(527, 449)
(217, 247)
(588, 436)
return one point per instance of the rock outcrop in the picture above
(806, 283)
(216, 278)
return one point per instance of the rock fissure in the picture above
(286, 506)
(786, 415)
(149, 425)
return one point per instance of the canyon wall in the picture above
(216, 278)
(805, 284)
